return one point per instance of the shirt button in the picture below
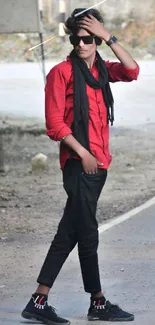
(98, 102)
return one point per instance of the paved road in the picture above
(22, 93)
(127, 260)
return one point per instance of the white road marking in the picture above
(126, 216)
(116, 221)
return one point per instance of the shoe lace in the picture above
(111, 307)
(53, 309)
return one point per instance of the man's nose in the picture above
(81, 43)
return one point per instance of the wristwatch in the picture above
(112, 40)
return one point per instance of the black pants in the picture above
(77, 226)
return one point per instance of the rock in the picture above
(39, 162)
(128, 165)
(3, 238)
(132, 169)
(7, 169)
(22, 36)
(124, 25)
(148, 56)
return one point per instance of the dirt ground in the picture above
(29, 202)
(31, 205)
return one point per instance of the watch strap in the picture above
(111, 40)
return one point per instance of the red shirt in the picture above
(59, 107)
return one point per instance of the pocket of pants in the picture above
(93, 183)
(98, 174)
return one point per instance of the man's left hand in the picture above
(92, 25)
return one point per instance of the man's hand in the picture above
(95, 27)
(89, 163)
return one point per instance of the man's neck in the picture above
(90, 61)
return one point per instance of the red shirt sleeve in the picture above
(55, 99)
(118, 72)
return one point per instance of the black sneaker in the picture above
(38, 309)
(102, 309)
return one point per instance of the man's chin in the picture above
(82, 55)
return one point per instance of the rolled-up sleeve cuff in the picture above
(131, 74)
(60, 134)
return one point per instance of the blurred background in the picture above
(24, 24)
(131, 20)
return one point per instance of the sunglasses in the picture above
(75, 40)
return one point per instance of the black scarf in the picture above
(81, 77)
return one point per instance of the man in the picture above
(79, 107)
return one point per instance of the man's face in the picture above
(84, 51)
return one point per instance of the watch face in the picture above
(112, 40)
